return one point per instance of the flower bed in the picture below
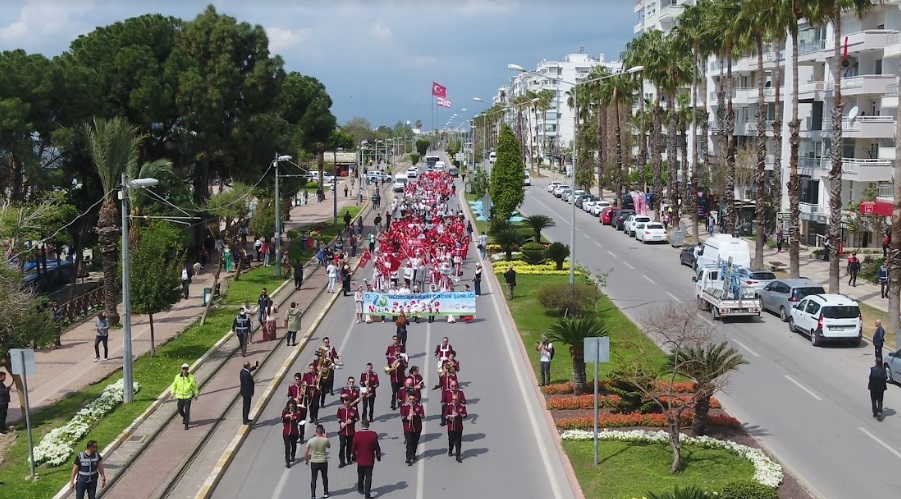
(573, 402)
(57, 446)
(523, 268)
(633, 419)
(603, 385)
(766, 471)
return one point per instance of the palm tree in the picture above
(618, 93)
(653, 54)
(545, 97)
(686, 114)
(594, 90)
(114, 146)
(726, 13)
(583, 112)
(572, 332)
(508, 237)
(704, 365)
(676, 72)
(636, 55)
(538, 223)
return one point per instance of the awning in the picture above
(878, 207)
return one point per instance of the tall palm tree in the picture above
(704, 365)
(545, 97)
(538, 223)
(635, 55)
(686, 114)
(727, 12)
(583, 112)
(676, 72)
(652, 53)
(617, 94)
(595, 91)
(572, 332)
(114, 146)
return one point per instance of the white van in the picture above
(400, 181)
(722, 247)
(439, 166)
(492, 157)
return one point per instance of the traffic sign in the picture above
(22, 360)
(597, 350)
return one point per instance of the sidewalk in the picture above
(71, 368)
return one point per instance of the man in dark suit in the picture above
(878, 339)
(877, 387)
(247, 389)
(365, 451)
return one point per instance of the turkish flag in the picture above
(365, 259)
(395, 263)
(439, 90)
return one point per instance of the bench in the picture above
(777, 266)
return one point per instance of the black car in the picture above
(687, 256)
(621, 218)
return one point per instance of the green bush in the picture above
(414, 158)
(533, 253)
(690, 492)
(564, 298)
(869, 269)
(558, 252)
(748, 489)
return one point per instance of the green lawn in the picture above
(629, 470)
(329, 231)
(154, 375)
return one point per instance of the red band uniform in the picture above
(347, 418)
(312, 394)
(371, 381)
(412, 414)
(454, 414)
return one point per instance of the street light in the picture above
(335, 186)
(278, 220)
(127, 368)
(575, 85)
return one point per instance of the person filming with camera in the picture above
(545, 351)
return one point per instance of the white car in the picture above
(412, 172)
(827, 317)
(558, 191)
(632, 221)
(651, 232)
(553, 186)
(527, 179)
(573, 195)
(598, 207)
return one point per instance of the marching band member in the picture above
(395, 370)
(443, 350)
(452, 360)
(408, 390)
(454, 414)
(418, 382)
(352, 392)
(394, 349)
(447, 397)
(328, 379)
(290, 430)
(447, 375)
(370, 381)
(347, 419)
(311, 382)
(412, 414)
(296, 391)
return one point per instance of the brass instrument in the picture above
(393, 366)
(446, 368)
(303, 395)
(325, 368)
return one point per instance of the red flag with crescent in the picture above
(365, 258)
(439, 91)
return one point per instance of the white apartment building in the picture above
(556, 125)
(869, 81)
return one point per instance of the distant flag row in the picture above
(440, 93)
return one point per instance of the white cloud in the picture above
(283, 40)
(380, 31)
(40, 18)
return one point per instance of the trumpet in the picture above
(303, 396)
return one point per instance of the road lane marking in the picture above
(627, 264)
(799, 385)
(282, 482)
(648, 278)
(673, 297)
(611, 253)
(420, 450)
(599, 244)
(880, 442)
(752, 352)
(586, 236)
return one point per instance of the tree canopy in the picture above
(507, 174)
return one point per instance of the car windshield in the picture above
(654, 226)
(763, 276)
(800, 293)
(841, 312)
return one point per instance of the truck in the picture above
(719, 290)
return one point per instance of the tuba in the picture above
(392, 366)
(325, 368)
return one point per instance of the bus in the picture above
(431, 160)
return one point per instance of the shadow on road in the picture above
(473, 452)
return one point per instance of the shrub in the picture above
(748, 489)
(584, 402)
(690, 492)
(869, 269)
(533, 253)
(631, 419)
(565, 298)
(558, 252)
(414, 158)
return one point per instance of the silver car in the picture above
(892, 364)
(781, 295)
(756, 279)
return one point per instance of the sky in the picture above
(377, 58)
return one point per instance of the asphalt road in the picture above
(809, 406)
(508, 451)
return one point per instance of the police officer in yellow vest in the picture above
(184, 388)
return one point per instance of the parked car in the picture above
(553, 185)
(586, 201)
(633, 221)
(578, 199)
(827, 317)
(377, 177)
(565, 194)
(687, 255)
(598, 206)
(607, 215)
(558, 191)
(757, 279)
(412, 172)
(892, 364)
(651, 232)
(575, 195)
(454, 172)
(620, 221)
(527, 179)
(781, 295)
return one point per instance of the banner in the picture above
(438, 90)
(443, 102)
(421, 305)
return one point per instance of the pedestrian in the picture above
(267, 252)
(263, 303)
(58, 314)
(347, 220)
(353, 245)
(365, 451)
(292, 324)
(377, 221)
(316, 456)
(345, 189)
(269, 325)
(878, 339)
(477, 280)
(545, 355)
(258, 247)
(483, 246)
(87, 471)
(186, 273)
(853, 269)
(780, 240)
(454, 413)
(883, 279)
(247, 386)
(347, 418)
(298, 274)
(4, 402)
(332, 272)
(184, 388)
(241, 327)
(358, 303)
(886, 244)
(101, 326)
(827, 249)
(877, 386)
(401, 323)
(360, 224)
(286, 264)
(345, 280)
(290, 431)
(306, 197)
(243, 233)
(510, 279)
(371, 242)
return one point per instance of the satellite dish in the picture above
(852, 114)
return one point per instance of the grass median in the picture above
(154, 374)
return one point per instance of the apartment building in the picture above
(869, 68)
(556, 126)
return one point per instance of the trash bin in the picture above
(207, 295)
(677, 238)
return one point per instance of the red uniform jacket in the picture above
(447, 396)
(294, 392)
(417, 380)
(366, 448)
(312, 389)
(393, 351)
(445, 380)
(352, 393)
(333, 354)
(455, 423)
(289, 424)
(398, 375)
(350, 416)
(402, 395)
(442, 352)
(412, 417)
(371, 380)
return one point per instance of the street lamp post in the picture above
(278, 219)
(335, 187)
(127, 358)
(575, 85)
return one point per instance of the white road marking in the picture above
(799, 385)
(648, 278)
(673, 297)
(752, 352)
(420, 465)
(586, 236)
(880, 442)
(627, 264)
(283, 481)
(611, 253)
(599, 244)
(708, 321)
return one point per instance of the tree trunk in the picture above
(692, 196)
(108, 232)
(894, 257)
(206, 310)
(835, 173)
(699, 420)
(641, 161)
(672, 422)
(794, 179)
(656, 156)
(618, 150)
(152, 337)
(729, 184)
(760, 177)
(672, 164)
(579, 376)
(777, 122)
(600, 120)
(703, 173)
(682, 192)
(238, 266)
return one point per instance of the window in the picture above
(810, 191)
(800, 293)
(812, 307)
(841, 312)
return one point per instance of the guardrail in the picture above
(84, 304)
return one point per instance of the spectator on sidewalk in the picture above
(58, 314)
(269, 325)
(184, 388)
(345, 189)
(87, 471)
(347, 219)
(241, 327)
(247, 386)
(316, 456)
(477, 279)
(243, 233)
(371, 242)
(510, 279)
(877, 387)
(853, 269)
(483, 246)
(545, 355)
(780, 240)
(292, 323)
(258, 246)
(263, 303)
(886, 244)
(4, 402)
(266, 250)
(101, 325)
(332, 272)
(353, 245)
(883, 280)
(878, 339)
(360, 225)
(298, 274)
(186, 274)
(358, 304)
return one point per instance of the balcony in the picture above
(810, 208)
(809, 47)
(892, 46)
(638, 28)
(670, 12)
(811, 90)
(867, 84)
(887, 153)
(865, 127)
(867, 170)
(871, 39)
(890, 98)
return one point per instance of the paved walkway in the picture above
(71, 368)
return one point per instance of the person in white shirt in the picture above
(545, 354)
(408, 274)
(358, 303)
(332, 273)
(404, 290)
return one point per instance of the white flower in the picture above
(57, 445)
(766, 471)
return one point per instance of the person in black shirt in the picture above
(4, 401)
(877, 387)
(88, 465)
